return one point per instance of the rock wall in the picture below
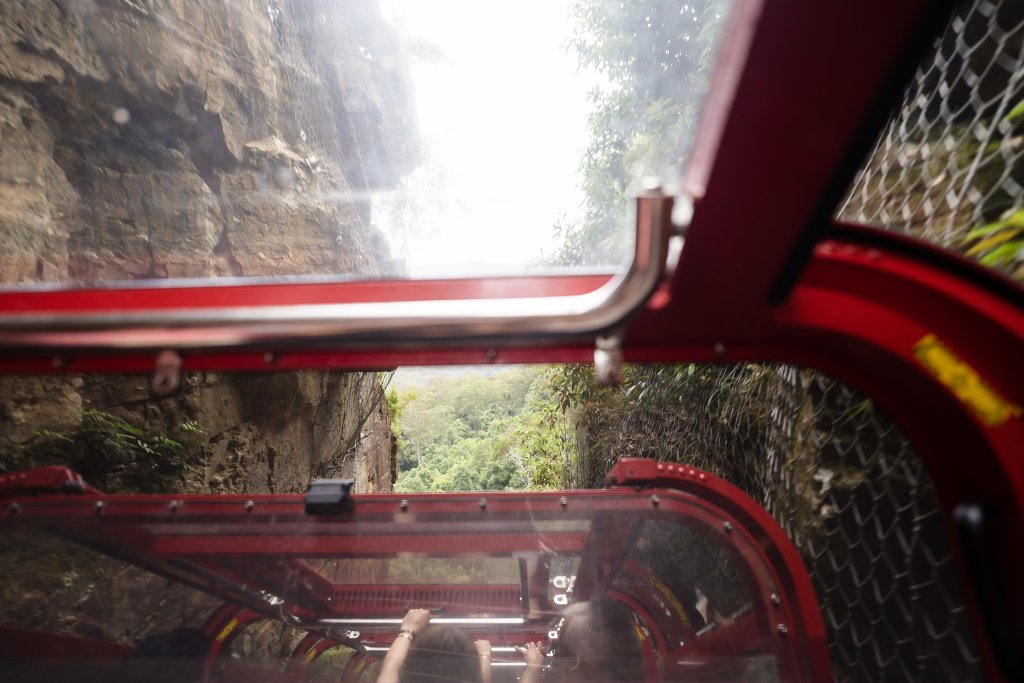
(151, 139)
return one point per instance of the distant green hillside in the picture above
(473, 431)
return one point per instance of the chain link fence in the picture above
(842, 481)
(836, 473)
(949, 167)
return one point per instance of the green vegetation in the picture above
(655, 57)
(114, 454)
(1001, 243)
(475, 432)
(542, 428)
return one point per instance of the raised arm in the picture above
(534, 657)
(413, 623)
(483, 649)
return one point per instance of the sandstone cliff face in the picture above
(151, 139)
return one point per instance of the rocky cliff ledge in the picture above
(152, 139)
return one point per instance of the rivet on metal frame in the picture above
(655, 500)
(563, 501)
(173, 506)
(776, 600)
(249, 505)
(404, 505)
(782, 629)
(13, 508)
(727, 526)
(483, 503)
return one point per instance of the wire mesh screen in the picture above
(842, 480)
(838, 476)
(950, 166)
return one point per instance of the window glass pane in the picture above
(817, 455)
(214, 140)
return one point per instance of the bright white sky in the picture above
(502, 114)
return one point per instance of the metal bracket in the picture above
(608, 363)
(329, 496)
(167, 375)
(645, 473)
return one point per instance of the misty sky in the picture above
(502, 114)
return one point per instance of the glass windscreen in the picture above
(358, 139)
(189, 551)
(820, 457)
(547, 584)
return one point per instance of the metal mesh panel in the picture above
(838, 476)
(841, 479)
(952, 159)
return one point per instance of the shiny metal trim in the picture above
(445, 321)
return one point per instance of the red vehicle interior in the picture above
(655, 537)
(765, 274)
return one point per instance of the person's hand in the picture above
(533, 655)
(415, 620)
(483, 647)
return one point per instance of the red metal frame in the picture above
(54, 479)
(230, 295)
(216, 542)
(793, 586)
(795, 93)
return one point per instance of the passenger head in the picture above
(441, 654)
(599, 642)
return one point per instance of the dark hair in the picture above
(441, 654)
(599, 642)
(176, 656)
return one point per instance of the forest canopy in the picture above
(538, 427)
(471, 431)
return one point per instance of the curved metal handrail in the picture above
(442, 319)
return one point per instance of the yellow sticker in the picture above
(671, 597)
(966, 384)
(311, 655)
(226, 631)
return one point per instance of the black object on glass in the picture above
(329, 496)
